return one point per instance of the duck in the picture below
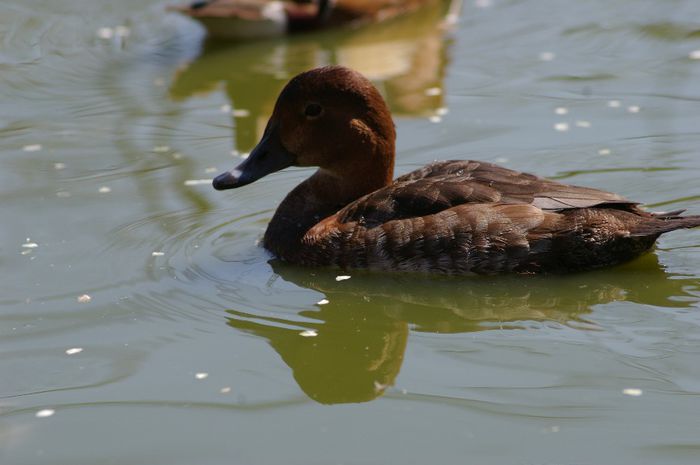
(257, 19)
(455, 217)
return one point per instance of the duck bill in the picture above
(267, 157)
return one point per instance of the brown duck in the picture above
(452, 217)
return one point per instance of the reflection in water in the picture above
(358, 349)
(352, 355)
(405, 57)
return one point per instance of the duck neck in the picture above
(320, 196)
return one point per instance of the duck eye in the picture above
(313, 110)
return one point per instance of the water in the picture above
(197, 349)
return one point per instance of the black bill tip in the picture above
(228, 180)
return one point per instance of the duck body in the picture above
(256, 19)
(449, 217)
(461, 217)
(238, 19)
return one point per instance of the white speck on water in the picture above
(583, 124)
(226, 108)
(30, 245)
(177, 155)
(211, 169)
(45, 413)
(241, 113)
(634, 392)
(551, 429)
(197, 182)
(342, 277)
(161, 148)
(483, 3)
(614, 104)
(378, 387)
(435, 119)
(157, 254)
(63, 194)
(694, 55)
(433, 91)
(604, 152)
(451, 19)
(442, 111)
(633, 109)
(201, 375)
(501, 160)
(104, 190)
(225, 390)
(308, 333)
(59, 166)
(323, 302)
(105, 33)
(561, 110)
(32, 147)
(84, 299)
(561, 127)
(74, 350)
(244, 155)
(547, 56)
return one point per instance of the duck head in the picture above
(331, 117)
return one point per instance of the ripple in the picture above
(172, 404)
(199, 263)
(684, 200)
(670, 31)
(98, 367)
(574, 173)
(585, 411)
(581, 78)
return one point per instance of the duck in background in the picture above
(406, 57)
(450, 217)
(257, 19)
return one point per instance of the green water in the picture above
(197, 349)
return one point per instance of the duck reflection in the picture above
(404, 56)
(355, 343)
(348, 354)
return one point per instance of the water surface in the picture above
(198, 349)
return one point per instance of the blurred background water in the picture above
(140, 322)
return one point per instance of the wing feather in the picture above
(446, 184)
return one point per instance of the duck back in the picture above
(461, 217)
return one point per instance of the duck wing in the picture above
(446, 184)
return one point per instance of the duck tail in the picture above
(665, 222)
